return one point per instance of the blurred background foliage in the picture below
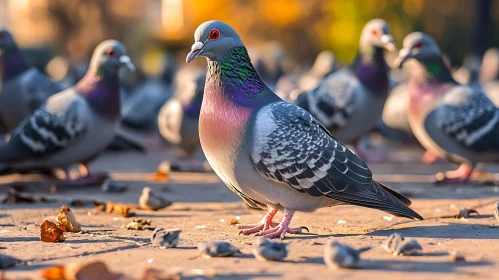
(301, 27)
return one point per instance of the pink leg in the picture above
(429, 158)
(460, 175)
(282, 228)
(264, 224)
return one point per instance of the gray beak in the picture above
(127, 62)
(388, 43)
(196, 50)
(404, 55)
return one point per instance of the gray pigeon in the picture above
(395, 115)
(178, 119)
(337, 255)
(149, 200)
(23, 88)
(165, 238)
(271, 153)
(140, 110)
(453, 122)
(217, 249)
(350, 102)
(75, 125)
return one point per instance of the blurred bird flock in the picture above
(299, 48)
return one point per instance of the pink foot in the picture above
(264, 224)
(429, 158)
(458, 176)
(282, 228)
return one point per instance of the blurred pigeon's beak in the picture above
(388, 43)
(404, 55)
(196, 50)
(127, 62)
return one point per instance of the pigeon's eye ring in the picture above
(110, 53)
(418, 45)
(374, 32)
(214, 34)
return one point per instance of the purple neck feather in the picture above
(371, 69)
(12, 63)
(101, 91)
(234, 79)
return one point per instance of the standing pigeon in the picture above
(271, 153)
(179, 117)
(75, 125)
(453, 122)
(489, 74)
(22, 87)
(350, 102)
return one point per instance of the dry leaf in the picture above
(113, 207)
(457, 257)
(101, 206)
(53, 273)
(233, 221)
(135, 226)
(49, 232)
(163, 170)
(87, 271)
(68, 220)
(142, 221)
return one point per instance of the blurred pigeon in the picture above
(23, 88)
(398, 245)
(165, 238)
(148, 200)
(337, 255)
(264, 249)
(75, 125)
(469, 72)
(489, 74)
(217, 249)
(350, 102)
(289, 87)
(140, 110)
(453, 122)
(271, 153)
(394, 116)
(178, 119)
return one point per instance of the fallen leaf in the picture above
(86, 271)
(233, 221)
(113, 207)
(68, 220)
(49, 232)
(163, 172)
(457, 257)
(135, 226)
(142, 221)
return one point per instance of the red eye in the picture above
(418, 45)
(374, 32)
(214, 34)
(110, 52)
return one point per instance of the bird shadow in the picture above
(451, 230)
(238, 276)
(20, 239)
(418, 266)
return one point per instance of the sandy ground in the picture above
(203, 207)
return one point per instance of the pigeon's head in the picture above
(213, 39)
(146, 190)
(419, 46)
(6, 40)
(376, 33)
(109, 56)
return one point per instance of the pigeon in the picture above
(140, 110)
(178, 119)
(165, 238)
(398, 245)
(272, 153)
(454, 122)
(217, 249)
(337, 255)
(394, 117)
(350, 101)
(74, 125)
(489, 74)
(149, 200)
(266, 250)
(23, 88)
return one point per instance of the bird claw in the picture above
(304, 228)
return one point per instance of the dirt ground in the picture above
(203, 207)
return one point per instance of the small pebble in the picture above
(217, 249)
(337, 255)
(265, 249)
